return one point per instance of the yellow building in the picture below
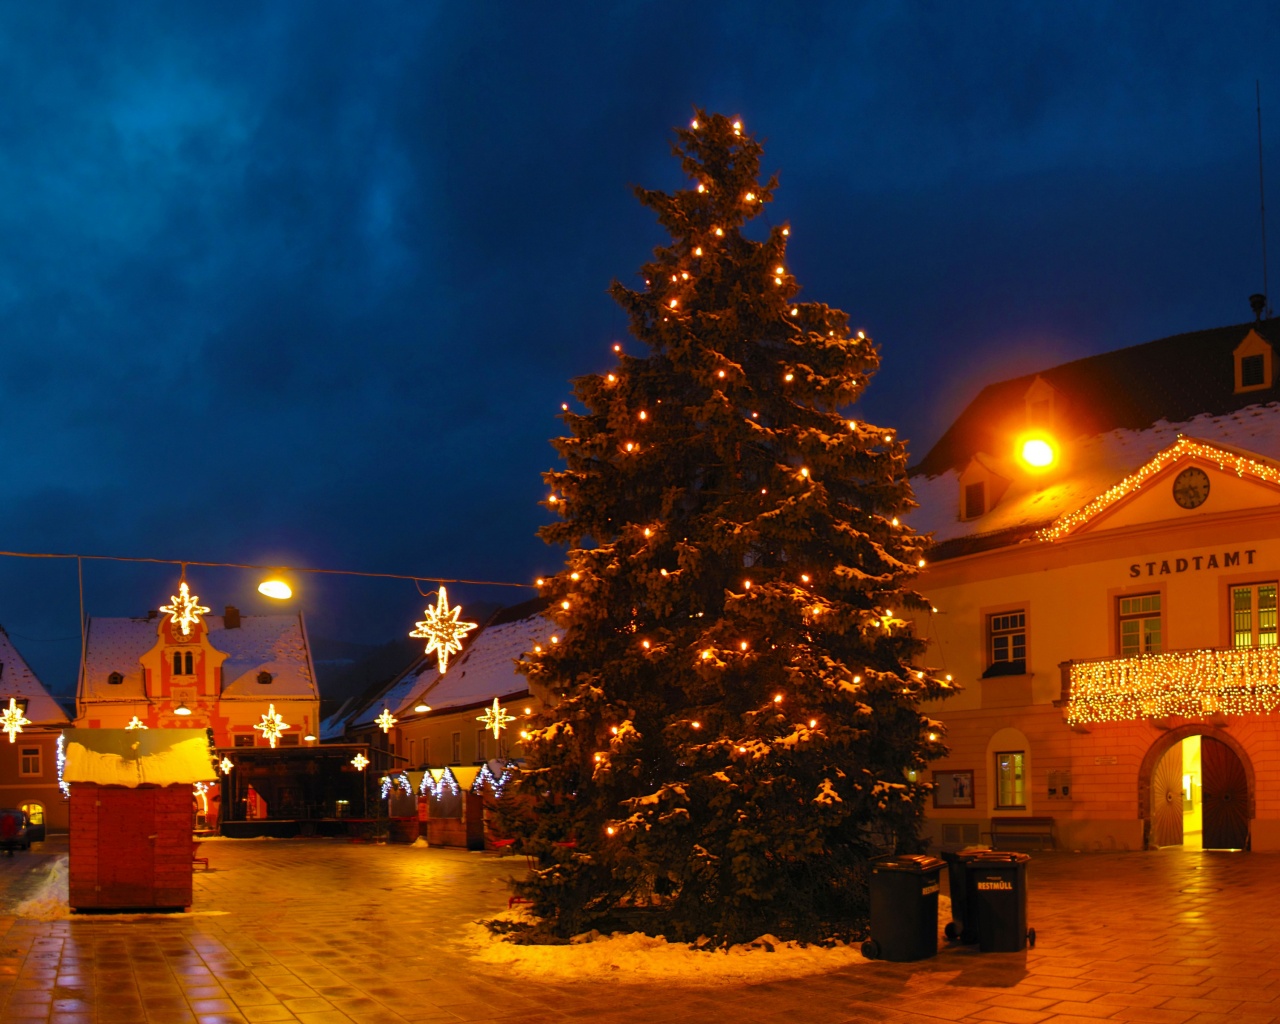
(1107, 598)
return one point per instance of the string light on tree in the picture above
(385, 720)
(442, 630)
(185, 610)
(12, 720)
(495, 718)
(271, 726)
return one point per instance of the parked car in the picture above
(15, 830)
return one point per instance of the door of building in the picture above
(1166, 799)
(1225, 793)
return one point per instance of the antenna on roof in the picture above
(1262, 210)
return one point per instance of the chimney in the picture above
(152, 614)
(231, 617)
(1258, 303)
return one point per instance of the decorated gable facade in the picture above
(248, 678)
(31, 722)
(1104, 581)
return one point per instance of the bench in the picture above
(1024, 829)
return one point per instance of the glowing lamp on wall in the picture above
(1037, 453)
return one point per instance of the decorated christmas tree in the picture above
(737, 726)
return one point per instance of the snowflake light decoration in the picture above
(226, 764)
(12, 720)
(361, 762)
(136, 723)
(442, 630)
(386, 720)
(271, 726)
(495, 718)
(185, 610)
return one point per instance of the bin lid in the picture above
(963, 856)
(999, 857)
(917, 863)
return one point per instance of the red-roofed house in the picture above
(29, 758)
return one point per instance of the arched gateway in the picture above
(1210, 786)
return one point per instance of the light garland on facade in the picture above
(442, 630)
(12, 720)
(271, 726)
(185, 610)
(1183, 447)
(1189, 684)
(62, 763)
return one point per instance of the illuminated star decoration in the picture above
(495, 718)
(12, 720)
(272, 725)
(360, 761)
(136, 723)
(386, 720)
(185, 610)
(442, 630)
(226, 765)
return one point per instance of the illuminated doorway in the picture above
(1198, 794)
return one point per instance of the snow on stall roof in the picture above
(135, 757)
(486, 668)
(1097, 462)
(274, 643)
(394, 696)
(17, 680)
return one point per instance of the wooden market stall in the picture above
(131, 815)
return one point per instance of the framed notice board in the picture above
(953, 788)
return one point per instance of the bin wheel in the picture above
(1031, 937)
(951, 931)
(871, 949)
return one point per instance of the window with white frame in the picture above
(1006, 644)
(1140, 624)
(1253, 615)
(29, 763)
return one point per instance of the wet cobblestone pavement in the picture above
(323, 931)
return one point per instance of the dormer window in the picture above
(115, 679)
(980, 488)
(1043, 405)
(975, 500)
(1254, 364)
(183, 663)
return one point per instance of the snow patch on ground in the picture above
(630, 958)
(50, 900)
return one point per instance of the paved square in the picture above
(324, 931)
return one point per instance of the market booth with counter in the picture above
(131, 794)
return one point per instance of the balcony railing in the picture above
(1190, 684)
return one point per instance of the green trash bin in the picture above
(996, 900)
(904, 908)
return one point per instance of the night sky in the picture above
(306, 282)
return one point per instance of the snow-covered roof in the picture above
(1090, 466)
(396, 695)
(134, 757)
(271, 643)
(17, 680)
(486, 669)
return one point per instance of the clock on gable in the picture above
(1191, 487)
